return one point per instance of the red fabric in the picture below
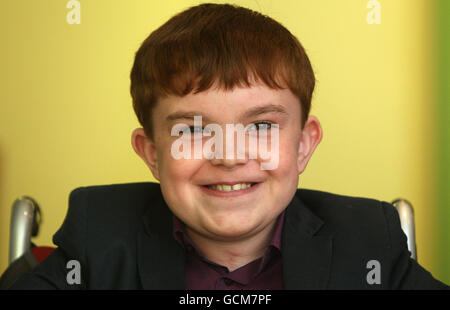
(41, 252)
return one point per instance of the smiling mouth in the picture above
(229, 187)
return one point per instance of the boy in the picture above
(221, 218)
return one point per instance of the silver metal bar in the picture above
(406, 213)
(22, 216)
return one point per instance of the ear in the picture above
(310, 137)
(146, 149)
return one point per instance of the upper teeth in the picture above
(228, 188)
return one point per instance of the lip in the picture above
(232, 183)
(231, 194)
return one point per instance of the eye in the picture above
(260, 125)
(195, 129)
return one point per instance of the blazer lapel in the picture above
(306, 256)
(160, 257)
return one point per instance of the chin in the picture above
(233, 228)
(230, 234)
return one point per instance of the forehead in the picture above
(220, 104)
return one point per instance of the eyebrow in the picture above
(255, 111)
(186, 115)
(268, 108)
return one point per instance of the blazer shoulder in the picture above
(116, 208)
(342, 213)
(322, 201)
(135, 195)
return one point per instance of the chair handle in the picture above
(406, 214)
(22, 226)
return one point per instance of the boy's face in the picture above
(230, 215)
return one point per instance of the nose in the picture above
(228, 162)
(235, 152)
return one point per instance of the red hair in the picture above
(219, 44)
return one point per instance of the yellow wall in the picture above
(66, 115)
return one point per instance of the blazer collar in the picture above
(160, 257)
(306, 255)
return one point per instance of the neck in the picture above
(233, 254)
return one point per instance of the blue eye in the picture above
(260, 125)
(194, 129)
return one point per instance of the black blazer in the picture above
(121, 235)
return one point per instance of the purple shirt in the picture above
(264, 273)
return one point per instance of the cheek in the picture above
(175, 180)
(175, 170)
(285, 176)
(288, 154)
(178, 171)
